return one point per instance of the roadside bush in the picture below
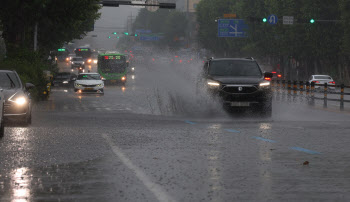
(30, 68)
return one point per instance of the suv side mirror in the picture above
(29, 86)
(268, 75)
(73, 79)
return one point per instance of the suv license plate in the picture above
(240, 104)
(88, 88)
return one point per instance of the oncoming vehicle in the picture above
(89, 83)
(320, 80)
(239, 83)
(64, 79)
(113, 67)
(18, 104)
(85, 53)
(62, 55)
(78, 62)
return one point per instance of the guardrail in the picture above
(307, 90)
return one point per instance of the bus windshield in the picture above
(112, 64)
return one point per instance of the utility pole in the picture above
(36, 36)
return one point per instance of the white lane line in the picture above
(157, 190)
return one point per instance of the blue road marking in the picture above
(305, 150)
(190, 122)
(264, 139)
(232, 131)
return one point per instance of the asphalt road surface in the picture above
(158, 139)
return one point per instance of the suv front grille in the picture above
(239, 89)
(88, 85)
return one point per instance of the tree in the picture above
(58, 22)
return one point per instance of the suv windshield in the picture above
(77, 59)
(9, 80)
(234, 68)
(89, 77)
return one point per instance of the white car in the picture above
(2, 103)
(320, 80)
(89, 83)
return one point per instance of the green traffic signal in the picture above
(135, 34)
(109, 37)
(264, 20)
(312, 21)
(126, 33)
(114, 33)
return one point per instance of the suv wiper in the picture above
(12, 83)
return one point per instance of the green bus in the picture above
(112, 67)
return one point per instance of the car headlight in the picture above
(77, 85)
(72, 62)
(100, 85)
(89, 61)
(95, 61)
(265, 84)
(65, 82)
(123, 78)
(18, 99)
(132, 68)
(213, 84)
(83, 62)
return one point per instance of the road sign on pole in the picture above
(288, 20)
(232, 28)
(272, 19)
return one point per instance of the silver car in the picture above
(320, 80)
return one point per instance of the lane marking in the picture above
(232, 131)
(264, 139)
(156, 189)
(190, 122)
(305, 150)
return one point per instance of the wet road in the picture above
(157, 139)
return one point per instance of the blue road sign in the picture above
(146, 31)
(232, 28)
(272, 19)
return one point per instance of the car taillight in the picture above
(332, 82)
(172, 60)
(267, 78)
(316, 81)
(153, 59)
(180, 61)
(279, 76)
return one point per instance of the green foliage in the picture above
(318, 46)
(29, 67)
(170, 22)
(58, 22)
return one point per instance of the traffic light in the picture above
(264, 20)
(114, 33)
(126, 33)
(135, 34)
(312, 21)
(109, 37)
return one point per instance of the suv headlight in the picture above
(18, 99)
(213, 84)
(265, 84)
(100, 85)
(77, 85)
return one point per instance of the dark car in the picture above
(239, 83)
(18, 104)
(64, 79)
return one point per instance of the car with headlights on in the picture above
(18, 103)
(77, 62)
(239, 83)
(89, 83)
